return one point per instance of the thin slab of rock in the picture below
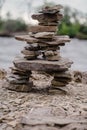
(44, 18)
(45, 35)
(42, 65)
(26, 38)
(57, 40)
(39, 28)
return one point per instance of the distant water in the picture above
(76, 50)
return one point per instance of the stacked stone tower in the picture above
(42, 52)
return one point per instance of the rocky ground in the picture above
(49, 111)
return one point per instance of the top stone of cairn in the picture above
(51, 10)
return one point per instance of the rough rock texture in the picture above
(39, 28)
(41, 65)
(3, 73)
(18, 110)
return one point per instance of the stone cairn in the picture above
(42, 53)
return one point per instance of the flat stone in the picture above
(26, 38)
(33, 47)
(51, 10)
(18, 77)
(42, 65)
(49, 24)
(51, 53)
(47, 18)
(17, 81)
(20, 72)
(66, 74)
(58, 83)
(61, 79)
(53, 58)
(39, 28)
(20, 88)
(3, 74)
(53, 48)
(44, 35)
(30, 53)
(57, 40)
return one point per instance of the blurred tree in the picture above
(45, 3)
(1, 5)
(8, 15)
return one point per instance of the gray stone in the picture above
(42, 65)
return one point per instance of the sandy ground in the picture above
(72, 105)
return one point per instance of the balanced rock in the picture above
(43, 35)
(39, 28)
(42, 53)
(26, 38)
(42, 65)
(47, 18)
(51, 10)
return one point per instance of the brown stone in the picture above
(57, 40)
(17, 71)
(51, 10)
(49, 24)
(42, 65)
(58, 83)
(20, 88)
(30, 53)
(39, 28)
(47, 18)
(53, 58)
(43, 35)
(66, 74)
(52, 55)
(33, 47)
(26, 38)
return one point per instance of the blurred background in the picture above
(15, 18)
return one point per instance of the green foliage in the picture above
(73, 29)
(83, 29)
(13, 26)
(70, 30)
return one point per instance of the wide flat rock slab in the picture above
(40, 28)
(57, 40)
(26, 38)
(42, 65)
(43, 118)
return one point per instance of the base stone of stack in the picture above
(42, 65)
(20, 88)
